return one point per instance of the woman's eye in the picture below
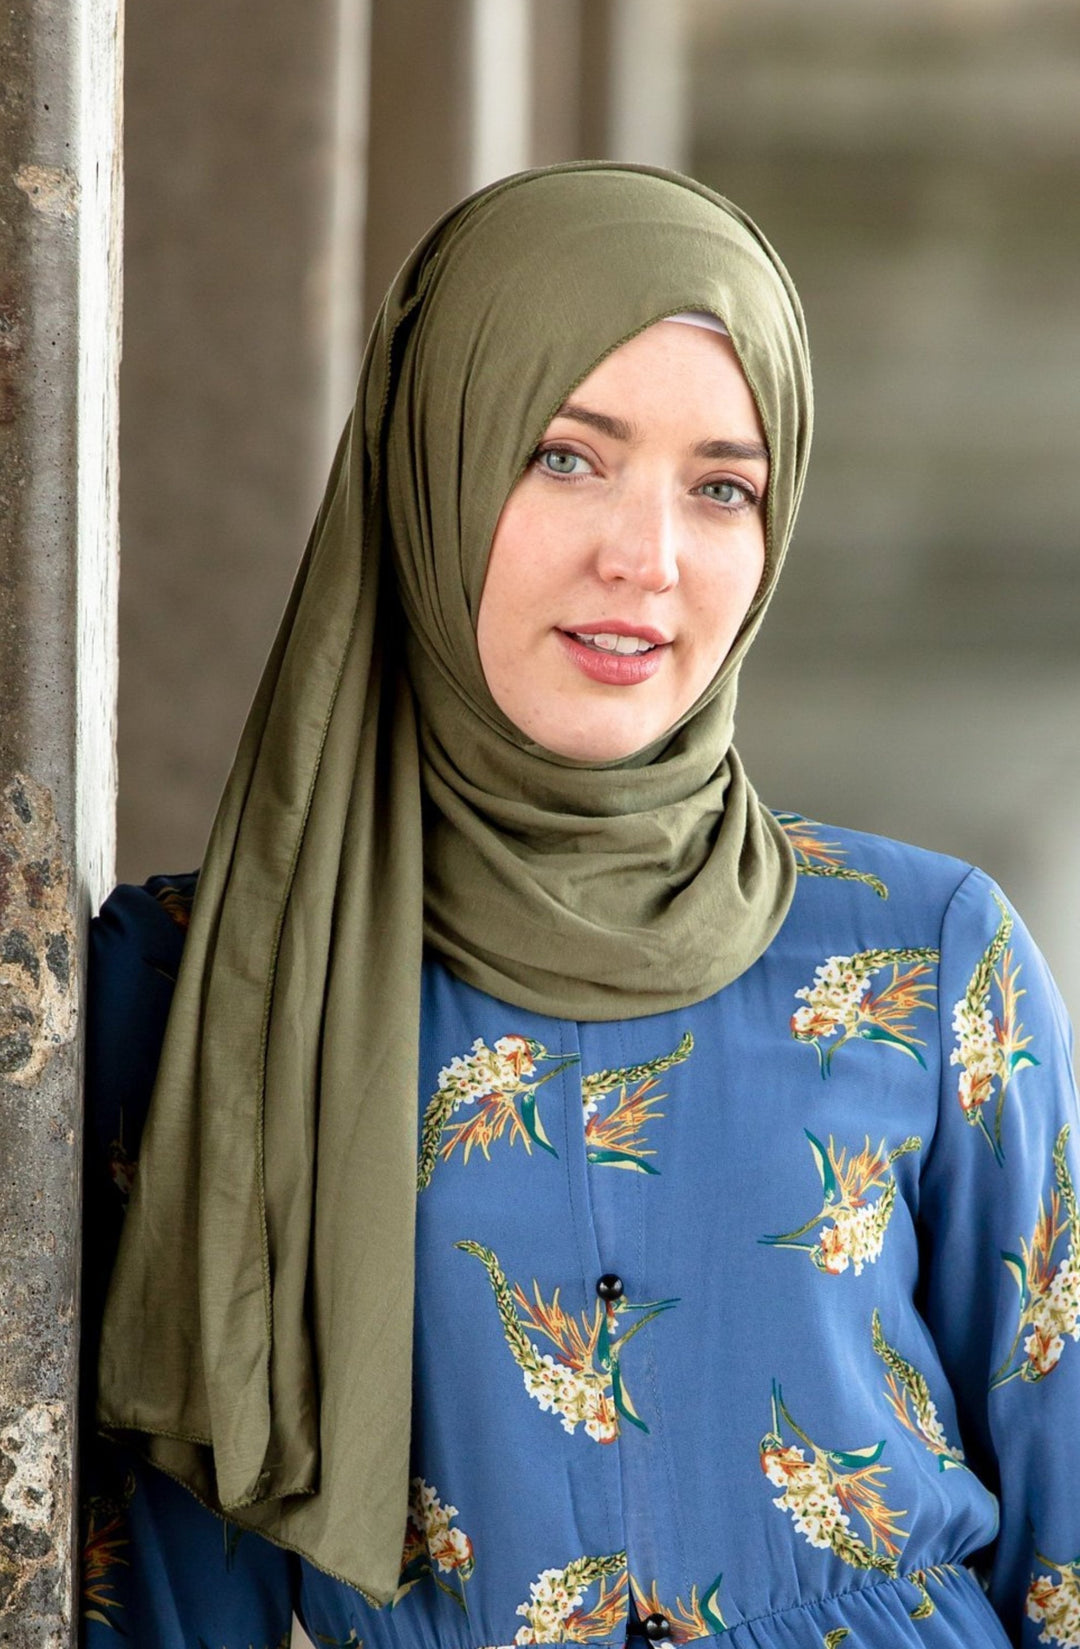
(558, 461)
(731, 493)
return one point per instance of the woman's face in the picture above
(626, 557)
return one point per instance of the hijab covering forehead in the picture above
(259, 1326)
(542, 281)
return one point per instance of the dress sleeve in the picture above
(1001, 1258)
(158, 1568)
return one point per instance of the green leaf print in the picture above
(990, 1045)
(617, 1138)
(814, 857)
(826, 1491)
(433, 1546)
(855, 1225)
(909, 1398)
(921, 1580)
(556, 1610)
(1047, 1274)
(499, 1087)
(841, 1007)
(583, 1384)
(687, 1621)
(1055, 1603)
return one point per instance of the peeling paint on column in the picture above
(37, 936)
(34, 1446)
(30, 1453)
(51, 190)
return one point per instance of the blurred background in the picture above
(916, 163)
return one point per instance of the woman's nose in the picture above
(640, 546)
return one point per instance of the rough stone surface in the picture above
(37, 936)
(58, 107)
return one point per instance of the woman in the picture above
(575, 1198)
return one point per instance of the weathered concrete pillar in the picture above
(59, 352)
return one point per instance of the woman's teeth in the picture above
(614, 644)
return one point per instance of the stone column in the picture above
(59, 352)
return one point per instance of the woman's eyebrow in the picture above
(618, 429)
(731, 449)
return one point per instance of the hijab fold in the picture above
(259, 1325)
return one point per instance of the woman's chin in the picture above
(609, 743)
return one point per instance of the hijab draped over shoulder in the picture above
(259, 1325)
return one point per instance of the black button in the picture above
(656, 1627)
(610, 1287)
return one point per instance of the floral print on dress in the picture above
(105, 1542)
(990, 1045)
(616, 1138)
(827, 1491)
(854, 1232)
(815, 857)
(687, 1621)
(1049, 1287)
(909, 1398)
(500, 1085)
(840, 1003)
(555, 1611)
(922, 1579)
(1055, 1602)
(584, 1384)
(433, 1546)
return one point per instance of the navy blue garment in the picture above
(753, 1320)
(159, 1571)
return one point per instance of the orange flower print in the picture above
(583, 1383)
(990, 1046)
(496, 1089)
(841, 1007)
(433, 1545)
(1053, 1601)
(1048, 1278)
(853, 1234)
(687, 1621)
(815, 857)
(830, 1492)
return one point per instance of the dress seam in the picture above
(943, 1064)
(893, 1581)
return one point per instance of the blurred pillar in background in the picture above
(59, 353)
(275, 183)
(246, 167)
(420, 127)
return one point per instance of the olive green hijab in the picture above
(259, 1327)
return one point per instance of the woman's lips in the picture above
(613, 669)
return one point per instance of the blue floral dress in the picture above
(754, 1320)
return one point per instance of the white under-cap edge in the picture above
(700, 317)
